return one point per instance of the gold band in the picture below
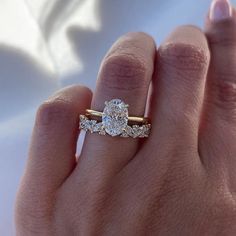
(132, 119)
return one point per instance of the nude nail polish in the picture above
(220, 10)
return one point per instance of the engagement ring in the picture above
(114, 121)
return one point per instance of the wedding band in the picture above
(115, 121)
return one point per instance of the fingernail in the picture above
(220, 10)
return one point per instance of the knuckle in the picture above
(51, 111)
(124, 71)
(184, 57)
(225, 40)
(225, 92)
(222, 34)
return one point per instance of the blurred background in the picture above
(46, 45)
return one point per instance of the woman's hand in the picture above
(180, 181)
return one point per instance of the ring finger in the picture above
(125, 73)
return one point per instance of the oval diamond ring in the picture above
(115, 121)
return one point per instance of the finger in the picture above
(178, 92)
(53, 145)
(218, 130)
(125, 73)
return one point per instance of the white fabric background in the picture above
(45, 45)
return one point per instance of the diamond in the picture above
(90, 125)
(86, 124)
(102, 132)
(145, 131)
(126, 132)
(83, 121)
(115, 117)
(98, 128)
(136, 131)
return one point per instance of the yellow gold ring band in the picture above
(132, 119)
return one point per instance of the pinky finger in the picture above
(52, 152)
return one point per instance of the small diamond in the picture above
(129, 131)
(126, 132)
(136, 131)
(90, 124)
(102, 132)
(98, 128)
(145, 131)
(83, 121)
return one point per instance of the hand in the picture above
(179, 181)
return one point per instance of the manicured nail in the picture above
(220, 10)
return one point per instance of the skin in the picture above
(179, 181)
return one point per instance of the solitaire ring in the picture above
(115, 121)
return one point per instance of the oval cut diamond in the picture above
(115, 117)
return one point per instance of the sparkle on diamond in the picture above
(115, 117)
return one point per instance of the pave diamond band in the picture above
(115, 122)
